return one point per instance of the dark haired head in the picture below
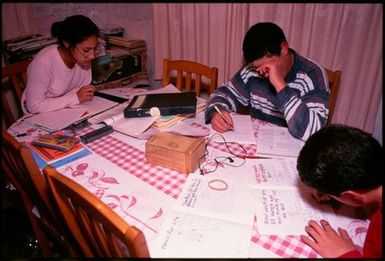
(74, 29)
(338, 158)
(262, 39)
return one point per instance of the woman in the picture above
(60, 75)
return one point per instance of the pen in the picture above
(223, 117)
(21, 135)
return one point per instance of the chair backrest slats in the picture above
(97, 228)
(192, 72)
(23, 172)
(17, 76)
(334, 84)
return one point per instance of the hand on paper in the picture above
(86, 93)
(326, 241)
(219, 123)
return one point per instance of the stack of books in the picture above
(132, 45)
(29, 43)
(57, 149)
(168, 121)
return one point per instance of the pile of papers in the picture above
(29, 43)
(133, 45)
(168, 121)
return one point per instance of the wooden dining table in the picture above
(118, 173)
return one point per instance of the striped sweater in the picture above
(302, 106)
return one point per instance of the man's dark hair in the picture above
(74, 29)
(262, 39)
(338, 158)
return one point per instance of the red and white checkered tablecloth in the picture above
(134, 162)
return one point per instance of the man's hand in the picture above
(219, 124)
(326, 241)
(86, 93)
(273, 71)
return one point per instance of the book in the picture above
(57, 141)
(60, 119)
(129, 126)
(170, 120)
(56, 158)
(161, 104)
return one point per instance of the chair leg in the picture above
(43, 241)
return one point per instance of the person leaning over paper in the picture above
(279, 85)
(60, 75)
(345, 164)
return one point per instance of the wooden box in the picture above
(175, 152)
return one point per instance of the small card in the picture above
(56, 141)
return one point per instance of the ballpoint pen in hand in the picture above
(223, 117)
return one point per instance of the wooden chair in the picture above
(96, 227)
(21, 169)
(334, 84)
(189, 74)
(17, 75)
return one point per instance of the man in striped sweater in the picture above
(277, 84)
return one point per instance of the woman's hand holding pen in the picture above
(86, 93)
(222, 121)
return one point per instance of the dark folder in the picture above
(165, 103)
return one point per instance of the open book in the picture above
(129, 126)
(60, 119)
(284, 205)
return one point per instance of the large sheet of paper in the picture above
(212, 218)
(275, 141)
(284, 205)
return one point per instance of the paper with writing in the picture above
(275, 141)
(243, 130)
(284, 205)
(208, 220)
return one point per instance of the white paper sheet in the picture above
(243, 130)
(212, 218)
(56, 120)
(275, 141)
(284, 205)
(97, 105)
